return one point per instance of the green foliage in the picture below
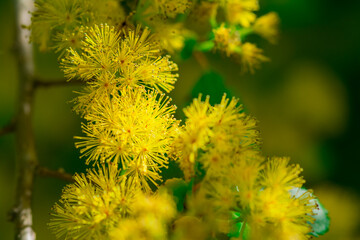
(205, 46)
(178, 188)
(211, 83)
(187, 51)
(238, 231)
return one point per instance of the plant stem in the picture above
(60, 174)
(8, 128)
(55, 83)
(202, 60)
(26, 160)
(242, 230)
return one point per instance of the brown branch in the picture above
(26, 159)
(8, 128)
(56, 83)
(201, 59)
(59, 174)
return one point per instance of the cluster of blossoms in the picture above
(218, 148)
(214, 24)
(229, 189)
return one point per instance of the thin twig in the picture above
(202, 60)
(55, 83)
(60, 174)
(8, 128)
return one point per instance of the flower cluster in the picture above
(103, 204)
(130, 134)
(126, 123)
(129, 130)
(219, 25)
(217, 132)
(109, 61)
(229, 30)
(134, 129)
(57, 24)
(220, 144)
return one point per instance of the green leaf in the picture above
(179, 188)
(236, 230)
(187, 51)
(211, 83)
(205, 46)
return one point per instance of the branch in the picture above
(62, 82)
(26, 159)
(60, 174)
(201, 59)
(8, 128)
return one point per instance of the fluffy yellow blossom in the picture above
(218, 192)
(251, 57)
(106, 11)
(244, 174)
(279, 175)
(266, 194)
(267, 26)
(59, 20)
(67, 39)
(135, 129)
(191, 228)
(52, 15)
(288, 217)
(280, 212)
(241, 11)
(108, 61)
(170, 36)
(221, 131)
(149, 219)
(98, 46)
(142, 228)
(171, 8)
(227, 40)
(94, 204)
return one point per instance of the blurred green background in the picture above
(306, 100)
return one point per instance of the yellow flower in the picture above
(50, 16)
(279, 175)
(227, 40)
(94, 204)
(56, 23)
(280, 215)
(135, 129)
(219, 131)
(267, 26)
(170, 36)
(218, 192)
(98, 52)
(151, 215)
(191, 228)
(106, 11)
(171, 8)
(67, 39)
(243, 175)
(241, 11)
(108, 62)
(251, 57)
(160, 204)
